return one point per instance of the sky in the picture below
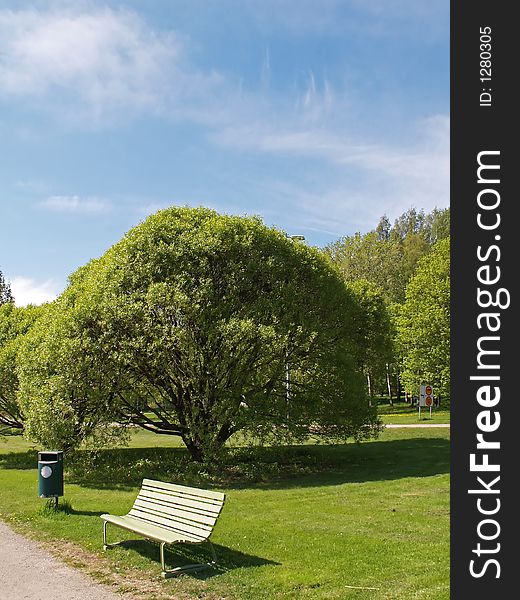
(318, 116)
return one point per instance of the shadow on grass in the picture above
(19, 460)
(179, 555)
(268, 468)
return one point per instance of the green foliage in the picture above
(373, 331)
(388, 256)
(187, 327)
(372, 258)
(424, 323)
(14, 324)
(61, 392)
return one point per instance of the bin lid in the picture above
(50, 455)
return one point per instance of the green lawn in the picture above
(309, 522)
(403, 413)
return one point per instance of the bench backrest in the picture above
(189, 511)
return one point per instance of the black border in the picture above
(474, 129)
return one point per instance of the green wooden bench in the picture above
(170, 514)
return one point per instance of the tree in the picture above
(14, 324)
(439, 224)
(62, 392)
(372, 257)
(373, 333)
(186, 327)
(424, 323)
(6, 295)
(388, 257)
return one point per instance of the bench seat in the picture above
(168, 513)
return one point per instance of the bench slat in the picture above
(183, 528)
(184, 489)
(166, 510)
(205, 508)
(148, 530)
(191, 497)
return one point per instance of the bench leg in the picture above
(178, 570)
(106, 545)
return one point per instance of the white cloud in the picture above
(77, 205)
(94, 62)
(28, 291)
(364, 180)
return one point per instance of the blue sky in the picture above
(318, 116)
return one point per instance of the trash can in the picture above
(50, 474)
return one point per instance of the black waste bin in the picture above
(50, 474)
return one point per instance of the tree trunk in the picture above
(208, 446)
(389, 385)
(369, 384)
(195, 448)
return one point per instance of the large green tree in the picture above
(424, 323)
(190, 326)
(63, 394)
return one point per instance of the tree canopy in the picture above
(373, 333)
(388, 255)
(200, 325)
(424, 323)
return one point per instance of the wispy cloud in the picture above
(356, 172)
(364, 180)
(99, 61)
(77, 205)
(28, 291)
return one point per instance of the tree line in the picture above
(401, 273)
(202, 325)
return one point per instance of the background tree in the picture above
(14, 324)
(388, 257)
(373, 332)
(6, 295)
(424, 323)
(187, 327)
(371, 257)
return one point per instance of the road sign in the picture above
(426, 396)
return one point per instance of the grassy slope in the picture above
(371, 515)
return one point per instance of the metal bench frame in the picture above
(167, 513)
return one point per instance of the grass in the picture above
(358, 521)
(403, 413)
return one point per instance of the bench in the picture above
(170, 514)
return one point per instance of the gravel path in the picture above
(403, 425)
(27, 572)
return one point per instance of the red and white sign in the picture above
(426, 396)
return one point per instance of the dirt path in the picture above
(27, 572)
(407, 425)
